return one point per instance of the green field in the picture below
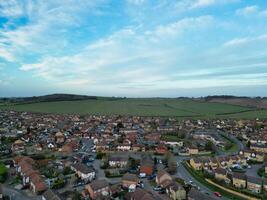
(183, 108)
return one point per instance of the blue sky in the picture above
(135, 48)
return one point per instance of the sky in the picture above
(133, 48)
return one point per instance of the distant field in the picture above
(184, 108)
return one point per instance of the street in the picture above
(17, 194)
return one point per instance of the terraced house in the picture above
(221, 175)
(239, 180)
(254, 184)
(30, 175)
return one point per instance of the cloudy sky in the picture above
(133, 48)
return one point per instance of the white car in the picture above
(142, 175)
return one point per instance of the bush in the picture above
(100, 155)
(3, 173)
(67, 170)
(59, 183)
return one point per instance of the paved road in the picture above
(239, 144)
(184, 174)
(17, 194)
(253, 171)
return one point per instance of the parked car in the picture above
(162, 191)
(141, 185)
(142, 175)
(217, 194)
(153, 176)
(157, 188)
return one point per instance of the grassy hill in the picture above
(183, 108)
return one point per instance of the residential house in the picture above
(161, 149)
(117, 161)
(252, 155)
(260, 157)
(192, 150)
(84, 172)
(162, 176)
(102, 146)
(254, 184)
(239, 180)
(138, 147)
(30, 177)
(124, 147)
(242, 160)
(222, 162)
(98, 189)
(221, 175)
(37, 185)
(213, 163)
(140, 194)
(196, 163)
(259, 148)
(59, 138)
(146, 165)
(175, 191)
(129, 180)
(50, 195)
(18, 146)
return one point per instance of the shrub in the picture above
(3, 173)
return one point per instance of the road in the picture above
(181, 172)
(17, 194)
(184, 174)
(239, 144)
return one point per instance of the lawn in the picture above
(180, 108)
(170, 138)
(234, 147)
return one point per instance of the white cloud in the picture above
(245, 40)
(11, 8)
(183, 25)
(246, 11)
(202, 3)
(136, 2)
(47, 22)
(4, 53)
(206, 3)
(110, 52)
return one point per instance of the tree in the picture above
(248, 144)
(171, 162)
(208, 146)
(172, 165)
(132, 163)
